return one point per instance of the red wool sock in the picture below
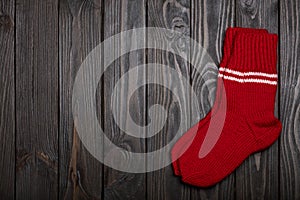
(184, 142)
(244, 121)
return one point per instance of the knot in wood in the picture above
(6, 21)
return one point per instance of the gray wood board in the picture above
(289, 100)
(36, 99)
(7, 101)
(80, 30)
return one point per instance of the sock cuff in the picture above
(254, 52)
(229, 38)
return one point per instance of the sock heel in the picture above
(266, 128)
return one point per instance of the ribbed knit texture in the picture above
(244, 122)
(230, 37)
(184, 142)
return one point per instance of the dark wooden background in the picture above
(42, 44)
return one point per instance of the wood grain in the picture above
(36, 99)
(174, 15)
(121, 16)
(290, 99)
(210, 19)
(80, 30)
(257, 177)
(7, 100)
(43, 44)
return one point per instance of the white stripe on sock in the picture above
(238, 73)
(248, 80)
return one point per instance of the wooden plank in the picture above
(80, 30)
(179, 16)
(257, 177)
(121, 16)
(36, 99)
(7, 101)
(290, 99)
(210, 19)
(175, 15)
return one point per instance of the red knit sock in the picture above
(245, 116)
(184, 142)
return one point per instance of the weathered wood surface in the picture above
(289, 168)
(80, 30)
(161, 184)
(36, 57)
(7, 100)
(43, 44)
(121, 16)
